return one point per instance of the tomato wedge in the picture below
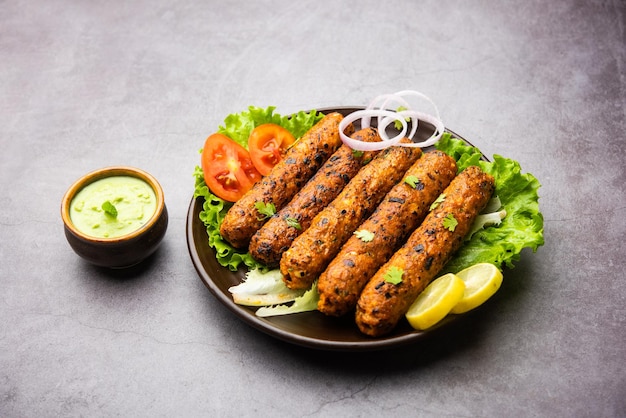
(267, 144)
(228, 170)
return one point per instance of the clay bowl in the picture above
(121, 251)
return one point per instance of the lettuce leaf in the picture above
(523, 225)
(238, 127)
(263, 289)
(304, 303)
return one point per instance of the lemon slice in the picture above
(481, 280)
(435, 302)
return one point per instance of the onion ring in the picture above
(378, 108)
(365, 115)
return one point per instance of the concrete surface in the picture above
(84, 85)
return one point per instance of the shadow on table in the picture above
(458, 336)
(466, 333)
(136, 272)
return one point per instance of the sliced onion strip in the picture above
(371, 146)
(379, 108)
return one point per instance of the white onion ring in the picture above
(370, 146)
(385, 117)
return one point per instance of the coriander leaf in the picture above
(293, 222)
(364, 235)
(394, 275)
(397, 123)
(412, 181)
(357, 153)
(450, 222)
(439, 200)
(265, 209)
(109, 209)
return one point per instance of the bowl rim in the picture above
(102, 173)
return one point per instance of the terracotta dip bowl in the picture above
(115, 217)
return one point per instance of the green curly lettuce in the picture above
(522, 227)
(304, 303)
(238, 127)
(212, 214)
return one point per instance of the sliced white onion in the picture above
(379, 108)
(371, 146)
(432, 140)
(385, 99)
(420, 96)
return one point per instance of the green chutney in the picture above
(134, 200)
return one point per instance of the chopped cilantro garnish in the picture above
(439, 200)
(397, 123)
(394, 275)
(357, 153)
(450, 222)
(265, 209)
(412, 181)
(364, 235)
(293, 222)
(109, 209)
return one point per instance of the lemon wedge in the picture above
(436, 301)
(481, 280)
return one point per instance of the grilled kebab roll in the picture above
(301, 161)
(311, 252)
(382, 303)
(274, 238)
(400, 212)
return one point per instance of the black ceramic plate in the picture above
(309, 329)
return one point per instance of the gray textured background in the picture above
(89, 84)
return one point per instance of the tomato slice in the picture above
(228, 170)
(267, 144)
